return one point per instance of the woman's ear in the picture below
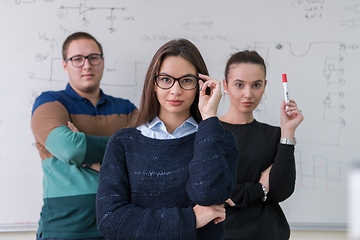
(225, 86)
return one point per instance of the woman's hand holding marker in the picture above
(290, 116)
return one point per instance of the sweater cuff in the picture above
(285, 151)
(209, 128)
(259, 191)
(212, 123)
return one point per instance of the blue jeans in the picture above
(96, 238)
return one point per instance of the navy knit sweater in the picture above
(148, 187)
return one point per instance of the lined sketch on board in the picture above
(315, 42)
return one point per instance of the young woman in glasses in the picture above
(266, 168)
(169, 176)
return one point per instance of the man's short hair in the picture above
(76, 36)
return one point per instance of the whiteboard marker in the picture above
(286, 92)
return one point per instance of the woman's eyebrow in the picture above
(186, 75)
(239, 80)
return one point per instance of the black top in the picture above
(252, 218)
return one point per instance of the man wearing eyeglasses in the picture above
(71, 128)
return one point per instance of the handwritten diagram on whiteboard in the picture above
(315, 43)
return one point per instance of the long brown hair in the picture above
(149, 105)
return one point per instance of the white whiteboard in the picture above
(316, 42)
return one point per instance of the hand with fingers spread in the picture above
(291, 117)
(205, 214)
(208, 104)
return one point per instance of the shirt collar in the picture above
(71, 92)
(157, 129)
(156, 122)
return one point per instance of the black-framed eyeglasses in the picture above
(187, 82)
(79, 60)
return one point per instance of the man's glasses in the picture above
(187, 82)
(79, 61)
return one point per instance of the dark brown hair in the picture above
(76, 36)
(244, 57)
(149, 105)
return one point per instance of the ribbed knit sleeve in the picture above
(283, 174)
(281, 179)
(213, 167)
(118, 217)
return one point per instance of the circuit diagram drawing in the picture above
(353, 22)
(55, 72)
(355, 8)
(321, 84)
(29, 1)
(319, 170)
(328, 82)
(83, 10)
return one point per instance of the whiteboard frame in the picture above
(19, 227)
(32, 227)
(318, 226)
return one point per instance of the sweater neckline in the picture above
(245, 124)
(162, 141)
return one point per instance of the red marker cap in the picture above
(284, 77)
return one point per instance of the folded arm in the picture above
(119, 218)
(213, 167)
(49, 125)
(279, 180)
(282, 174)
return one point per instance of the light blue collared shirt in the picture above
(157, 129)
